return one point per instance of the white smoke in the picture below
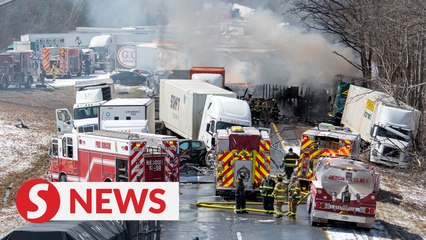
(259, 49)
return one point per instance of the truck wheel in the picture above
(62, 178)
(209, 159)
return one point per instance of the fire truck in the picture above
(68, 61)
(105, 156)
(15, 69)
(345, 190)
(241, 150)
(324, 140)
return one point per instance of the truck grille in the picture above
(88, 128)
(391, 152)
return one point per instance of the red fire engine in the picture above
(241, 150)
(114, 156)
(15, 69)
(344, 190)
(67, 61)
(322, 141)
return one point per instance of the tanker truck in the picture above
(387, 125)
(344, 190)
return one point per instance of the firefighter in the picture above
(54, 71)
(279, 194)
(294, 192)
(256, 110)
(275, 110)
(42, 76)
(266, 188)
(266, 111)
(240, 199)
(289, 162)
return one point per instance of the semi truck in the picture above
(196, 110)
(89, 95)
(128, 115)
(385, 124)
(241, 150)
(322, 141)
(344, 189)
(15, 69)
(108, 156)
(104, 47)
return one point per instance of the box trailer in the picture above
(128, 115)
(182, 104)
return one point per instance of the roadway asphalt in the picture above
(206, 223)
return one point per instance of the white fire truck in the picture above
(344, 190)
(114, 156)
(241, 150)
(322, 141)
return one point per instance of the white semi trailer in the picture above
(386, 124)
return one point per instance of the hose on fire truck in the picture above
(231, 205)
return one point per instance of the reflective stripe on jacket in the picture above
(280, 191)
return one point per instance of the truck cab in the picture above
(89, 95)
(391, 135)
(222, 113)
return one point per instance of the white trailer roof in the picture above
(99, 41)
(195, 86)
(128, 101)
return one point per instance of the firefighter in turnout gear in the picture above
(289, 162)
(279, 194)
(240, 199)
(266, 111)
(54, 72)
(294, 192)
(266, 189)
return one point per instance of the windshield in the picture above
(87, 112)
(382, 132)
(225, 125)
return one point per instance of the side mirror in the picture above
(213, 141)
(208, 127)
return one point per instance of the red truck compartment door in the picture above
(154, 169)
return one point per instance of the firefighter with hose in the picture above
(279, 194)
(294, 192)
(266, 189)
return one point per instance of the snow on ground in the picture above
(19, 146)
(377, 232)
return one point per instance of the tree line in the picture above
(389, 38)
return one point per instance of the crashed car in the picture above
(132, 78)
(193, 152)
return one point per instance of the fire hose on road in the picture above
(231, 205)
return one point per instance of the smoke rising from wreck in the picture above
(268, 51)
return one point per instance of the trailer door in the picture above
(154, 169)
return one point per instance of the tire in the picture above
(209, 160)
(62, 178)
